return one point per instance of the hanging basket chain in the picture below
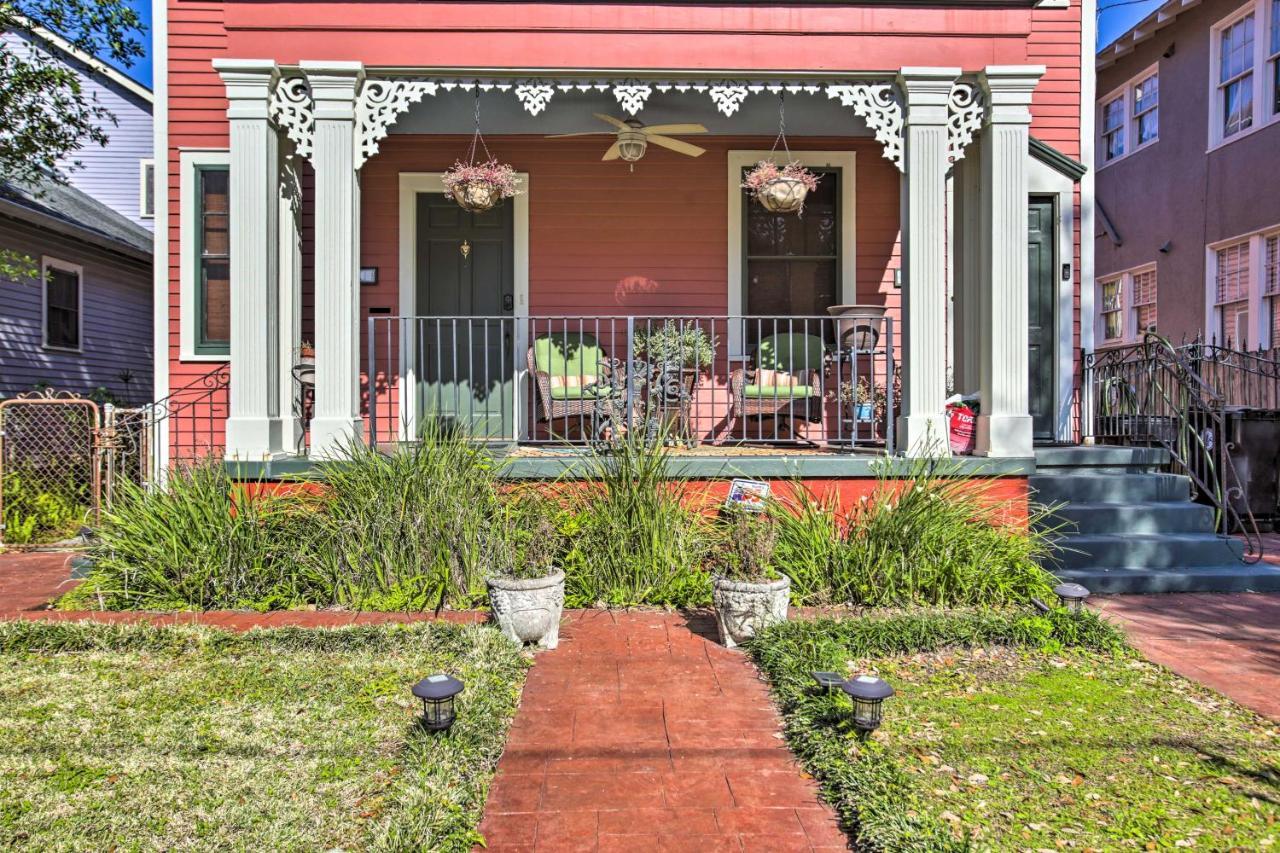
(782, 127)
(477, 136)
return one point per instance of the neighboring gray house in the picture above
(1188, 189)
(84, 323)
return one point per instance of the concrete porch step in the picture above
(1149, 550)
(1235, 577)
(1100, 459)
(1139, 517)
(1108, 488)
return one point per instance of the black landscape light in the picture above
(828, 681)
(1071, 596)
(436, 693)
(868, 694)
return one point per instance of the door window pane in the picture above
(793, 262)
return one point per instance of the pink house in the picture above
(302, 146)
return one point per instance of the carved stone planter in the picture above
(528, 611)
(744, 608)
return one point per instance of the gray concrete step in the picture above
(1235, 577)
(1100, 459)
(1149, 550)
(1108, 488)
(1138, 517)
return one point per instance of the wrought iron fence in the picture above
(797, 381)
(1152, 394)
(1247, 379)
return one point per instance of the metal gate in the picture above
(50, 467)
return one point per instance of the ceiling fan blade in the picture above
(677, 146)
(614, 152)
(674, 129)
(583, 133)
(618, 123)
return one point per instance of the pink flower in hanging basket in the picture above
(767, 171)
(500, 176)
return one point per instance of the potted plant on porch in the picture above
(526, 590)
(676, 352)
(477, 187)
(748, 592)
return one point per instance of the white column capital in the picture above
(926, 92)
(1009, 89)
(334, 88)
(249, 83)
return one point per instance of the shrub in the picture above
(923, 537)
(34, 515)
(635, 534)
(749, 542)
(198, 542)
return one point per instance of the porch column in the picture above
(254, 430)
(1004, 425)
(922, 430)
(966, 247)
(290, 298)
(334, 87)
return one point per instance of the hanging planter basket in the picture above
(780, 189)
(478, 187)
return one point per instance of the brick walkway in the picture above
(641, 733)
(30, 580)
(1228, 642)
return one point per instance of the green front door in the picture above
(1040, 314)
(465, 335)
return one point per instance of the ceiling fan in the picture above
(634, 138)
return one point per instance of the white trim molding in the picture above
(161, 285)
(411, 184)
(188, 288)
(846, 162)
(48, 262)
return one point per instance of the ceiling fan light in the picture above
(631, 145)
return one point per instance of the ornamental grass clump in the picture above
(925, 536)
(636, 535)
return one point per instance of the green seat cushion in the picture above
(785, 392)
(567, 354)
(790, 353)
(581, 392)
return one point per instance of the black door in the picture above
(465, 286)
(1041, 279)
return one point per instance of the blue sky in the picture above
(1115, 17)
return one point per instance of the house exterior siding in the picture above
(116, 314)
(111, 173)
(1173, 191)
(577, 244)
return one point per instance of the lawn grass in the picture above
(132, 737)
(1013, 742)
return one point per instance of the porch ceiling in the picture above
(808, 114)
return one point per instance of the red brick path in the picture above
(640, 733)
(1228, 642)
(30, 580)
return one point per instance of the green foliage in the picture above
(681, 342)
(635, 535)
(1011, 730)
(201, 739)
(749, 542)
(925, 536)
(523, 542)
(35, 515)
(403, 530)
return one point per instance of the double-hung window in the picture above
(1245, 71)
(62, 304)
(1130, 116)
(1271, 282)
(1231, 294)
(1127, 305)
(206, 255)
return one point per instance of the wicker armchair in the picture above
(784, 381)
(577, 380)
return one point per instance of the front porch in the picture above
(606, 299)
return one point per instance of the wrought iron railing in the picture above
(1151, 394)
(1247, 379)
(793, 381)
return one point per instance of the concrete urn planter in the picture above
(528, 611)
(743, 608)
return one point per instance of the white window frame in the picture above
(143, 167)
(48, 262)
(1129, 126)
(1259, 327)
(189, 316)
(1129, 331)
(846, 162)
(1264, 86)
